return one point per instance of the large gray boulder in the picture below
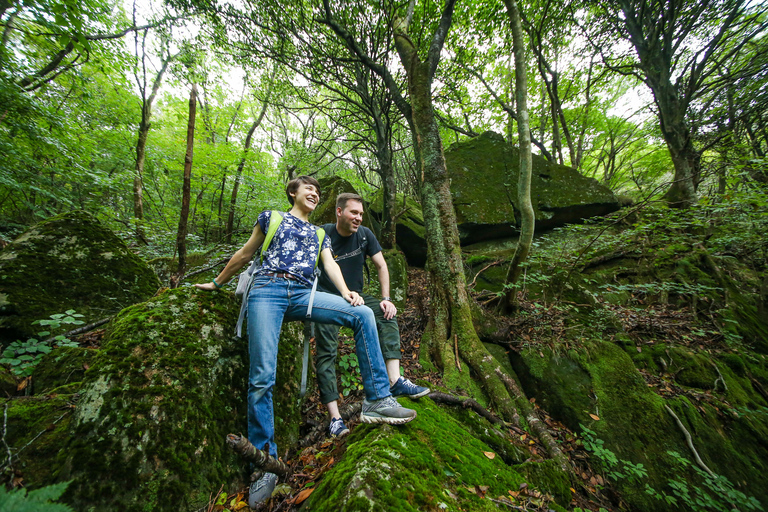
(484, 173)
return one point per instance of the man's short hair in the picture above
(294, 184)
(341, 199)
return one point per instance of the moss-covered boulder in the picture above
(140, 423)
(398, 278)
(409, 232)
(325, 212)
(484, 173)
(63, 367)
(432, 463)
(157, 402)
(70, 261)
(599, 387)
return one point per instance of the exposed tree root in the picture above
(467, 403)
(689, 441)
(719, 378)
(537, 426)
(259, 458)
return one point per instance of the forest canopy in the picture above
(663, 100)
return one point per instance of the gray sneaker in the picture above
(386, 410)
(261, 489)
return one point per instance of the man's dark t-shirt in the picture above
(349, 252)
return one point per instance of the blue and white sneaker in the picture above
(337, 428)
(261, 490)
(404, 387)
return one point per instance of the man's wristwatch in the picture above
(387, 298)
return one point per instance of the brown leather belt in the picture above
(284, 275)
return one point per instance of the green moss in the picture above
(425, 465)
(398, 278)
(157, 403)
(487, 163)
(67, 262)
(38, 428)
(61, 366)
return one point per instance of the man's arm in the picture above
(334, 274)
(380, 263)
(238, 260)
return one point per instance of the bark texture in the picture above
(186, 190)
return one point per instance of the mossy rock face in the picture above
(325, 212)
(409, 232)
(398, 278)
(166, 388)
(68, 262)
(41, 424)
(484, 174)
(601, 380)
(286, 398)
(62, 366)
(8, 382)
(432, 463)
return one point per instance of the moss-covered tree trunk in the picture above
(527, 216)
(450, 329)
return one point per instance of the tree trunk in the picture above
(451, 318)
(527, 216)
(138, 190)
(186, 190)
(389, 186)
(238, 176)
(141, 144)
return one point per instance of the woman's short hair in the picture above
(294, 184)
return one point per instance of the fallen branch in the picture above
(205, 269)
(81, 330)
(690, 442)
(497, 262)
(262, 460)
(537, 426)
(8, 464)
(466, 403)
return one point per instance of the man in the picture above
(281, 290)
(351, 244)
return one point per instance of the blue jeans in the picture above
(275, 299)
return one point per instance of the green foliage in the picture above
(615, 469)
(23, 356)
(710, 492)
(715, 492)
(351, 380)
(39, 500)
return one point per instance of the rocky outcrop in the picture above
(140, 424)
(409, 230)
(326, 210)
(444, 460)
(484, 174)
(70, 261)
